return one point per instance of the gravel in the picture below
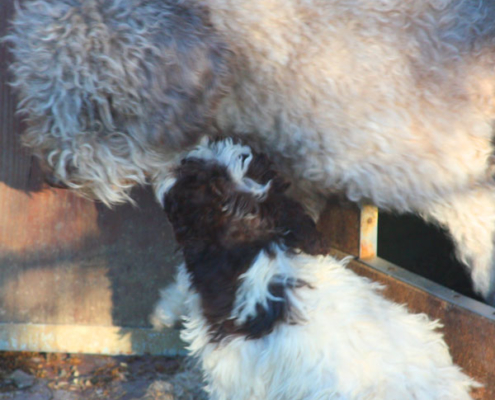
(45, 376)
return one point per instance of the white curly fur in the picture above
(352, 345)
(388, 101)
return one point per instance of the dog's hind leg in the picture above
(469, 218)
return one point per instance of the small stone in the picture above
(64, 395)
(37, 392)
(21, 379)
(160, 390)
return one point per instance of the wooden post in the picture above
(350, 228)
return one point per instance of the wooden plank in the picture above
(65, 260)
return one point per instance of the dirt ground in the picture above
(41, 376)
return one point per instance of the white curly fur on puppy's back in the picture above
(352, 344)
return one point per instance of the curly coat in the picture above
(387, 101)
(111, 89)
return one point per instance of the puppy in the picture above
(268, 313)
(386, 101)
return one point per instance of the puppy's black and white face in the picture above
(227, 205)
(225, 194)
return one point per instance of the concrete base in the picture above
(89, 340)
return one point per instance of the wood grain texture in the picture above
(340, 223)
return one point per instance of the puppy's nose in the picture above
(53, 181)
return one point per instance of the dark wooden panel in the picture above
(340, 222)
(15, 162)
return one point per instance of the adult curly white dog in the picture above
(388, 101)
(267, 321)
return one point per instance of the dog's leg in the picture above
(172, 304)
(469, 218)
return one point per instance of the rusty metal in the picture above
(368, 229)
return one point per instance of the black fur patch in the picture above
(277, 310)
(295, 228)
(222, 230)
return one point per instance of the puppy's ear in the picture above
(297, 229)
(195, 204)
(262, 171)
(281, 216)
